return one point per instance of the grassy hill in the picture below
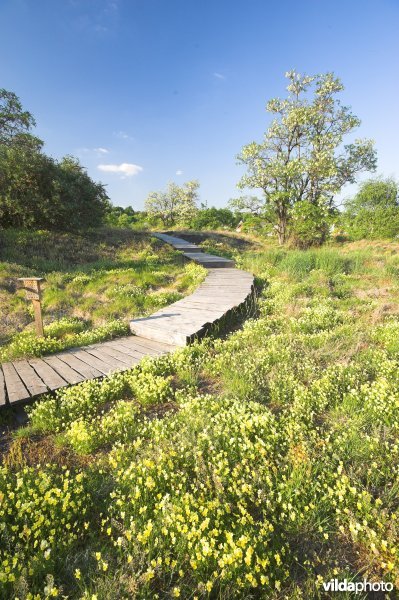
(255, 466)
(94, 283)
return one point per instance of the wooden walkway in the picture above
(173, 326)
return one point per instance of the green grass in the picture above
(94, 284)
(254, 466)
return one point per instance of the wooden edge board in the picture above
(3, 398)
(16, 390)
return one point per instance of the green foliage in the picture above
(301, 157)
(213, 218)
(374, 212)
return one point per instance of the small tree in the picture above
(301, 156)
(177, 204)
(374, 211)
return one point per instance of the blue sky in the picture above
(149, 91)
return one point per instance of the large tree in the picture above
(176, 204)
(14, 121)
(302, 157)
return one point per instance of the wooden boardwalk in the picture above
(173, 326)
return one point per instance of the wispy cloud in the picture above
(96, 151)
(125, 169)
(122, 135)
(179, 172)
(219, 76)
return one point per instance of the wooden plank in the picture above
(31, 380)
(105, 357)
(130, 350)
(50, 377)
(137, 341)
(63, 369)
(2, 389)
(93, 361)
(16, 390)
(111, 352)
(87, 371)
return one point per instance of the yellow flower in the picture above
(77, 573)
(176, 592)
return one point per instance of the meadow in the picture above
(94, 283)
(255, 465)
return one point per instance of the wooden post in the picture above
(33, 292)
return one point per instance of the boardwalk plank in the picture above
(2, 389)
(87, 371)
(105, 357)
(63, 369)
(115, 354)
(50, 377)
(146, 344)
(31, 380)
(93, 361)
(16, 390)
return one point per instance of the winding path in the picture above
(225, 289)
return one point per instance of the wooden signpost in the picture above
(33, 292)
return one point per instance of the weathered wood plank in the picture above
(30, 379)
(2, 389)
(128, 350)
(115, 354)
(50, 377)
(93, 361)
(87, 371)
(146, 344)
(105, 357)
(63, 369)
(16, 390)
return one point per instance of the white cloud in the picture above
(178, 172)
(219, 76)
(101, 150)
(126, 169)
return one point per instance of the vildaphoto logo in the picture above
(335, 585)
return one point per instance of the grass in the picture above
(255, 466)
(94, 284)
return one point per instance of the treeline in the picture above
(37, 191)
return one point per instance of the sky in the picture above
(145, 92)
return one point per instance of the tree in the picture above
(14, 121)
(213, 218)
(302, 157)
(374, 211)
(177, 204)
(247, 204)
